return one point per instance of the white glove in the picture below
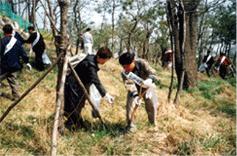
(29, 66)
(149, 93)
(137, 100)
(150, 88)
(205, 65)
(109, 98)
(148, 83)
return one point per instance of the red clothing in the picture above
(226, 61)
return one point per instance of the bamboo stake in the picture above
(59, 103)
(86, 93)
(28, 90)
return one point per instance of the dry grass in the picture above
(198, 126)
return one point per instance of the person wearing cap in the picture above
(38, 46)
(74, 96)
(146, 88)
(88, 42)
(11, 51)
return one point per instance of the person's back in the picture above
(87, 38)
(10, 60)
(88, 41)
(84, 67)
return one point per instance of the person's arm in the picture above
(22, 53)
(30, 39)
(93, 77)
(149, 70)
(19, 37)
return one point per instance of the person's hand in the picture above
(148, 83)
(149, 93)
(109, 98)
(29, 66)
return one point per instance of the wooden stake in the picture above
(59, 103)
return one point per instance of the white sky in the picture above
(88, 15)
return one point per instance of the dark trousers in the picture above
(223, 71)
(74, 102)
(39, 65)
(11, 78)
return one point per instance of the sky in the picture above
(88, 15)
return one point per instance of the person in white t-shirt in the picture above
(88, 41)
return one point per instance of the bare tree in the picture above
(61, 47)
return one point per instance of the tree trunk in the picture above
(228, 50)
(61, 47)
(175, 23)
(51, 17)
(200, 35)
(129, 42)
(113, 12)
(171, 32)
(120, 45)
(32, 13)
(190, 43)
(184, 25)
(130, 35)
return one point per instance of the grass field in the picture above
(203, 123)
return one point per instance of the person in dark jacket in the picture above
(74, 96)
(208, 61)
(10, 53)
(38, 46)
(18, 36)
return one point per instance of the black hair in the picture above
(88, 29)
(104, 53)
(31, 28)
(126, 58)
(7, 29)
